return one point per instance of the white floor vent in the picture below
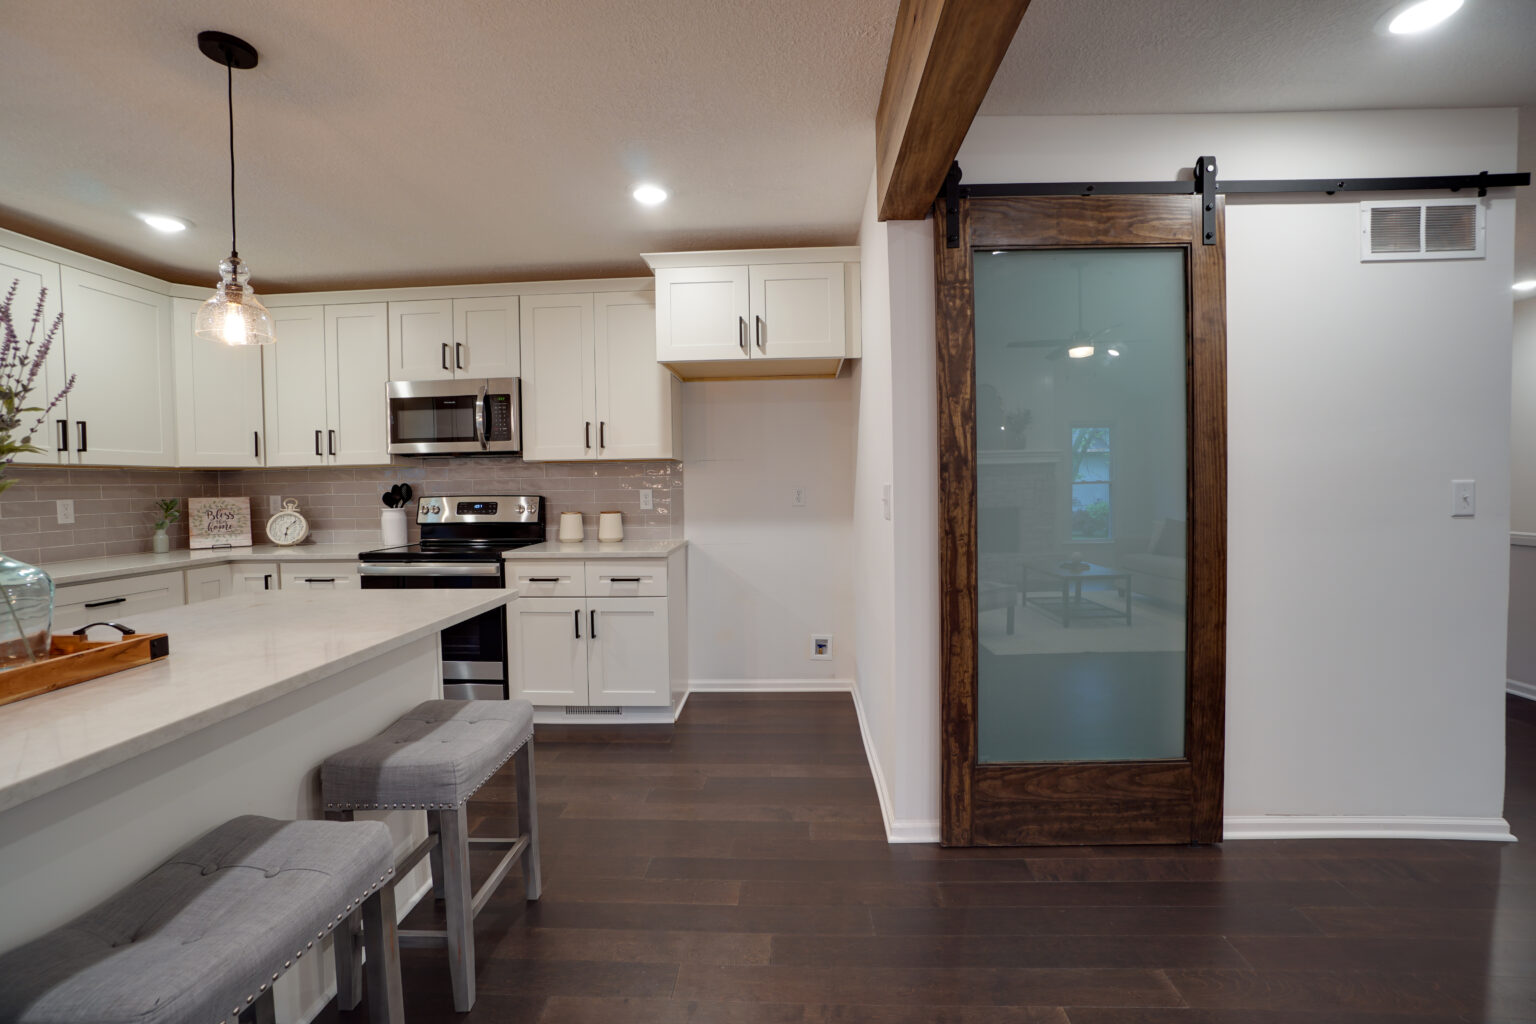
(1421, 229)
(577, 709)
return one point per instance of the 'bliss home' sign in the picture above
(219, 522)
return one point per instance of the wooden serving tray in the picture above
(74, 659)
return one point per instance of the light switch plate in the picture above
(885, 500)
(1463, 498)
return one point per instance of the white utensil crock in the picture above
(610, 527)
(571, 529)
(392, 526)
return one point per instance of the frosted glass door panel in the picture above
(1081, 504)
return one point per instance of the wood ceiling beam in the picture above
(943, 56)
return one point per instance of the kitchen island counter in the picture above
(112, 567)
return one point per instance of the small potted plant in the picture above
(169, 510)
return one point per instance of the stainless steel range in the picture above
(462, 540)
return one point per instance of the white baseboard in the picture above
(1299, 826)
(1519, 689)
(677, 712)
(897, 830)
(770, 685)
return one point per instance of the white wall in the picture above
(763, 575)
(1366, 628)
(1521, 665)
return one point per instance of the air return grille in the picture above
(1421, 229)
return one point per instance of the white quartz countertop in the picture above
(227, 656)
(111, 567)
(595, 549)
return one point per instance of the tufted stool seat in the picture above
(434, 758)
(204, 936)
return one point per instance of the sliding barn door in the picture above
(1083, 467)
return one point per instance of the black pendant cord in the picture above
(229, 72)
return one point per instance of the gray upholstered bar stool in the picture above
(434, 758)
(203, 937)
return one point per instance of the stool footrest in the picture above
(418, 937)
(413, 858)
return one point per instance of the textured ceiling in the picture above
(417, 141)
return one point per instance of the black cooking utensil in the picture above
(389, 500)
(405, 494)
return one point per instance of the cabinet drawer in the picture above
(319, 576)
(546, 579)
(627, 578)
(113, 600)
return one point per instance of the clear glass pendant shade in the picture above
(234, 315)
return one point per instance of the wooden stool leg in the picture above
(349, 952)
(386, 1005)
(435, 855)
(528, 820)
(457, 904)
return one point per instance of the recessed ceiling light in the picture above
(1114, 352)
(1526, 286)
(1080, 351)
(650, 195)
(1422, 16)
(163, 224)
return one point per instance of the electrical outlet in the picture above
(799, 498)
(645, 500)
(821, 646)
(66, 509)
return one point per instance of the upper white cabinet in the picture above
(218, 396)
(32, 277)
(122, 408)
(325, 379)
(592, 389)
(439, 339)
(763, 313)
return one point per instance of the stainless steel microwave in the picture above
(455, 417)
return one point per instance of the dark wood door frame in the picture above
(1168, 801)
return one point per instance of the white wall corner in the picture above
(897, 830)
(1519, 689)
(1299, 826)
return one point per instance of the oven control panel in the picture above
(477, 508)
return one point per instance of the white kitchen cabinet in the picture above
(627, 651)
(558, 357)
(208, 583)
(547, 650)
(122, 408)
(597, 649)
(33, 277)
(318, 576)
(76, 604)
(294, 369)
(218, 396)
(439, 339)
(357, 365)
(592, 389)
(763, 313)
(245, 577)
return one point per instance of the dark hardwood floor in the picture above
(734, 869)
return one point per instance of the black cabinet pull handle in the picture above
(333, 441)
(256, 443)
(445, 355)
(458, 355)
(63, 435)
(103, 604)
(623, 579)
(741, 332)
(318, 579)
(602, 434)
(543, 579)
(81, 424)
(759, 329)
(594, 624)
(577, 615)
(317, 444)
(586, 432)
(266, 582)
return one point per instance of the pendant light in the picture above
(233, 315)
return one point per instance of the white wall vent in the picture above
(1421, 229)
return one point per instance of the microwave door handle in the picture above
(480, 434)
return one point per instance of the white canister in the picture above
(392, 526)
(610, 527)
(571, 530)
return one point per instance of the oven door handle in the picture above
(485, 442)
(428, 569)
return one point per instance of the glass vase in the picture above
(26, 613)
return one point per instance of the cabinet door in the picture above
(245, 577)
(627, 651)
(547, 650)
(122, 408)
(294, 371)
(701, 313)
(559, 408)
(357, 349)
(485, 333)
(76, 604)
(319, 576)
(218, 396)
(32, 277)
(797, 311)
(421, 340)
(208, 583)
(634, 392)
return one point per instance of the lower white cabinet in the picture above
(248, 576)
(591, 649)
(76, 604)
(319, 576)
(208, 583)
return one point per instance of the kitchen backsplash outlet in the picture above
(114, 507)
